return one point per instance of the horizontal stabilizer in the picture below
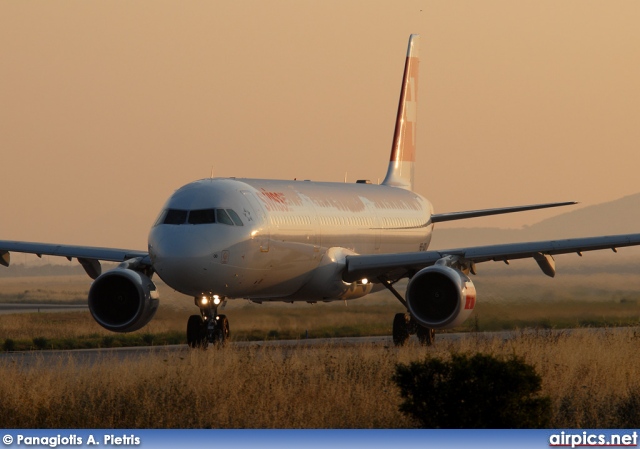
(438, 218)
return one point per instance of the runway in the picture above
(8, 308)
(86, 357)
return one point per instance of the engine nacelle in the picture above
(123, 300)
(440, 297)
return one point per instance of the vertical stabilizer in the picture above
(403, 150)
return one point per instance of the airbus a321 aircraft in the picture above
(267, 240)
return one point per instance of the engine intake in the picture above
(123, 300)
(440, 297)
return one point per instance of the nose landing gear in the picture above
(208, 327)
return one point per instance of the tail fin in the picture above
(403, 150)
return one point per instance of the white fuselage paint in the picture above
(288, 228)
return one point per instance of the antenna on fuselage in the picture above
(212, 172)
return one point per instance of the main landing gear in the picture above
(404, 325)
(208, 327)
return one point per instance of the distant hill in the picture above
(621, 216)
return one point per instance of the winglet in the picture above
(403, 150)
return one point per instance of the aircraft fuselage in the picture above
(280, 234)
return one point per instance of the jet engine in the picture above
(123, 300)
(440, 297)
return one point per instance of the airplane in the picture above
(219, 239)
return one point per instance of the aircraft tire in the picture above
(400, 329)
(196, 332)
(222, 333)
(426, 335)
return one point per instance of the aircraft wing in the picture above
(395, 266)
(88, 256)
(437, 218)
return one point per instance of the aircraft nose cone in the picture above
(182, 259)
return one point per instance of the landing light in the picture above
(216, 299)
(365, 281)
(204, 300)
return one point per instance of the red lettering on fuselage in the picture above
(274, 200)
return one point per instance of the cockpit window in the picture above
(202, 216)
(223, 217)
(199, 216)
(235, 217)
(160, 218)
(175, 217)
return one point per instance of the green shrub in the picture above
(473, 392)
(41, 342)
(9, 345)
(148, 339)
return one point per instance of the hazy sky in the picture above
(106, 107)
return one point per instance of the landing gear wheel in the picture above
(426, 335)
(222, 330)
(196, 332)
(400, 329)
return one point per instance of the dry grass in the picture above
(73, 325)
(72, 289)
(230, 388)
(591, 377)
